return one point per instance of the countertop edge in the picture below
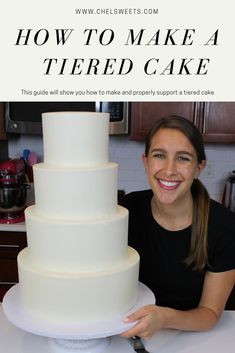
(16, 227)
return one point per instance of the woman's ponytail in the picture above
(198, 255)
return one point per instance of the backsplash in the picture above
(220, 162)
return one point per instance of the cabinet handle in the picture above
(196, 113)
(1, 282)
(205, 117)
(9, 246)
(204, 125)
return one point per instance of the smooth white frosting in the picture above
(77, 266)
(76, 193)
(76, 246)
(75, 138)
(80, 297)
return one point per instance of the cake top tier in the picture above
(75, 138)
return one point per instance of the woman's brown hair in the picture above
(198, 256)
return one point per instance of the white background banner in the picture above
(125, 50)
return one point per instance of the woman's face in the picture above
(171, 166)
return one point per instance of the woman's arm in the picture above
(216, 290)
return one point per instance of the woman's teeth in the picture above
(169, 184)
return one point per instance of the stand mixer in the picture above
(13, 191)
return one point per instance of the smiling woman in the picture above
(171, 165)
(185, 240)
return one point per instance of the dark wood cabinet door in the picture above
(3, 135)
(145, 114)
(11, 243)
(219, 122)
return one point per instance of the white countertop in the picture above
(218, 340)
(16, 227)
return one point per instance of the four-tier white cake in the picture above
(77, 266)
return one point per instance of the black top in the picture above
(162, 252)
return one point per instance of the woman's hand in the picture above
(150, 319)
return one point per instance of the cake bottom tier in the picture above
(78, 297)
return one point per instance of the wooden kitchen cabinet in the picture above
(11, 243)
(3, 135)
(216, 120)
(145, 114)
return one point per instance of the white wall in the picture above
(221, 160)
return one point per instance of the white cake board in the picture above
(15, 313)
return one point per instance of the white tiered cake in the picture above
(77, 266)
